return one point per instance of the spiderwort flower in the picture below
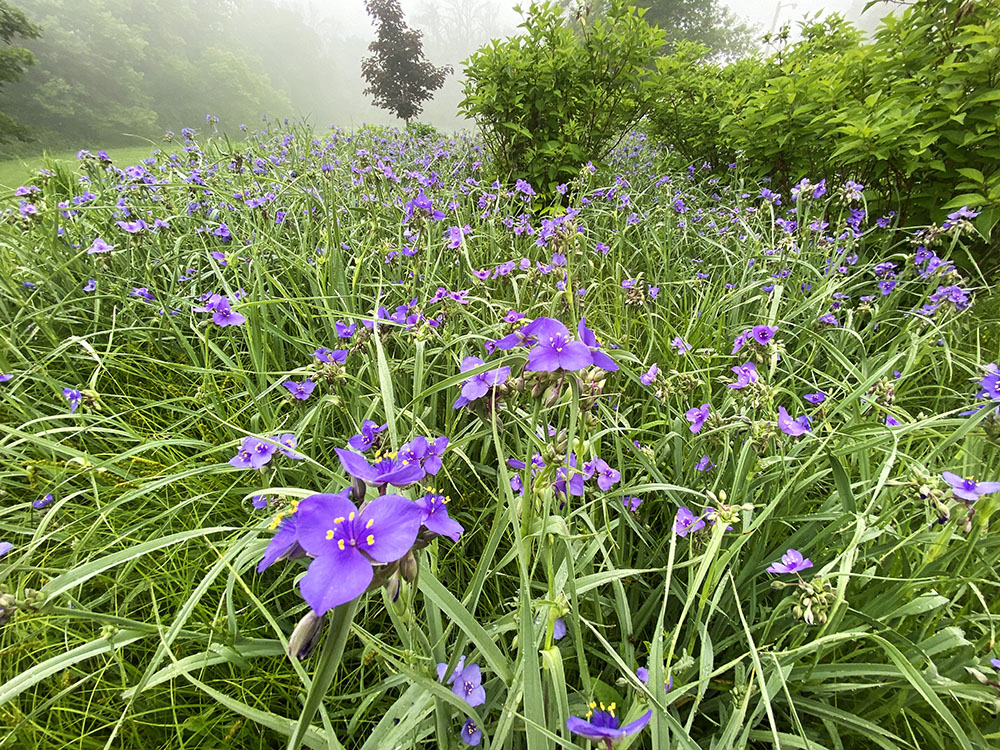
(73, 396)
(253, 454)
(967, 489)
(42, 502)
(589, 339)
(686, 522)
(632, 503)
(99, 246)
(649, 376)
(994, 662)
(90, 286)
(5, 547)
(762, 335)
(791, 562)
(5, 378)
(431, 460)
(793, 427)
(601, 724)
(745, 375)
(815, 398)
(479, 385)
(287, 442)
(302, 390)
(680, 345)
(435, 518)
(367, 437)
(556, 351)
(471, 734)
(705, 464)
(345, 542)
(643, 674)
(606, 476)
(388, 469)
(697, 417)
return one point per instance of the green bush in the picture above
(914, 114)
(553, 98)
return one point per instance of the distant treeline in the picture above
(108, 68)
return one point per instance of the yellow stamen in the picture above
(340, 544)
(338, 519)
(370, 522)
(329, 534)
(350, 517)
(370, 539)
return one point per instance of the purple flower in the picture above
(791, 562)
(606, 476)
(643, 674)
(435, 516)
(705, 464)
(302, 390)
(99, 246)
(287, 442)
(793, 427)
(479, 385)
(253, 454)
(345, 331)
(763, 334)
(5, 547)
(259, 502)
(466, 682)
(680, 345)
(649, 376)
(42, 502)
(829, 319)
(367, 437)
(431, 461)
(686, 522)
(815, 398)
(994, 662)
(90, 286)
(891, 421)
(331, 356)
(600, 359)
(344, 542)
(471, 734)
(697, 417)
(555, 350)
(745, 375)
(5, 378)
(967, 489)
(601, 724)
(739, 341)
(388, 469)
(223, 315)
(73, 396)
(632, 502)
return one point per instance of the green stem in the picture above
(329, 662)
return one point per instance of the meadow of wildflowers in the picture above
(330, 440)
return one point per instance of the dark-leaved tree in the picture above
(13, 62)
(400, 79)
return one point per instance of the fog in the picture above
(108, 68)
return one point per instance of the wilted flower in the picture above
(649, 376)
(42, 502)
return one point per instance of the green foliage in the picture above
(13, 62)
(913, 113)
(551, 99)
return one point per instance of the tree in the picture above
(13, 62)
(400, 79)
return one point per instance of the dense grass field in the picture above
(700, 436)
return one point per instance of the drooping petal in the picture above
(602, 360)
(335, 579)
(387, 527)
(355, 465)
(285, 538)
(634, 726)
(439, 522)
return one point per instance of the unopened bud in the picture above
(409, 567)
(305, 636)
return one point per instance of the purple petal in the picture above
(355, 465)
(334, 579)
(392, 522)
(316, 516)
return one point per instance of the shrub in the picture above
(553, 98)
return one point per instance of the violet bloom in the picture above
(815, 398)
(345, 542)
(73, 396)
(435, 516)
(686, 522)
(90, 286)
(539, 328)
(345, 331)
(331, 356)
(606, 476)
(632, 502)
(466, 682)
(42, 502)
(302, 390)
(994, 662)
(967, 489)
(649, 376)
(705, 464)
(791, 562)
(286, 444)
(388, 469)
(793, 427)
(479, 385)
(254, 453)
(259, 502)
(558, 629)
(762, 335)
(99, 246)
(367, 437)
(589, 339)
(697, 417)
(471, 734)
(284, 544)
(739, 341)
(601, 724)
(745, 375)
(431, 462)
(680, 345)
(556, 351)
(5, 547)
(5, 378)
(643, 674)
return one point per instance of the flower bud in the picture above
(305, 636)
(409, 567)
